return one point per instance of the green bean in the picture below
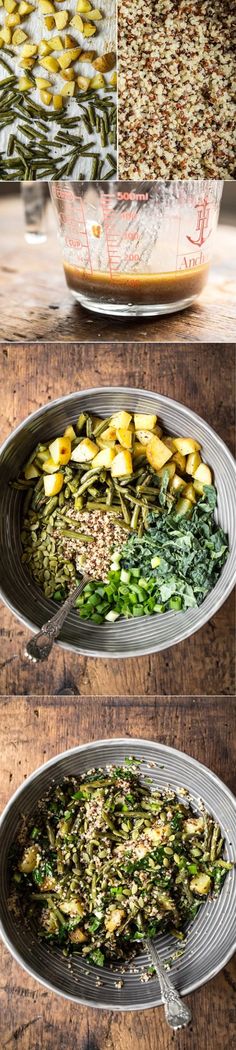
(72, 534)
(125, 512)
(214, 840)
(86, 484)
(98, 429)
(50, 507)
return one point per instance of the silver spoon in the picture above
(39, 647)
(177, 1013)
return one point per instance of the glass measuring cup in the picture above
(136, 248)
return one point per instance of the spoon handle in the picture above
(39, 647)
(177, 1013)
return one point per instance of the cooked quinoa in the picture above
(176, 94)
(94, 558)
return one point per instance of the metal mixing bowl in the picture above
(211, 937)
(138, 636)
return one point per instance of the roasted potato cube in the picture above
(125, 437)
(120, 419)
(87, 56)
(203, 474)
(68, 57)
(122, 465)
(29, 860)
(104, 458)
(47, 7)
(53, 484)
(184, 507)
(144, 422)
(5, 34)
(139, 450)
(186, 445)
(88, 29)
(198, 488)
(72, 907)
(84, 452)
(143, 436)
(170, 468)
(50, 466)
(60, 450)
(70, 433)
(12, 20)
(48, 883)
(114, 919)
(61, 19)
(77, 936)
(69, 41)
(157, 453)
(56, 43)
(69, 74)
(155, 835)
(77, 23)
(19, 36)
(193, 461)
(68, 89)
(83, 83)
(49, 22)
(193, 826)
(98, 81)
(50, 63)
(177, 483)
(180, 461)
(189, 493)
(201, 884)
(10, 6)
(43, 85)
(25, 84)
(28, 50)
(108, 437)
(104, 63)
(95, 14)
(84, 6)
(44, 48)
(27, 63)
(31, 472)
(25, 8)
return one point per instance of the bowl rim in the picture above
(79, 749)
(204, 616)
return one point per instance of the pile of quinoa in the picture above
(108, 533)
(176, 97)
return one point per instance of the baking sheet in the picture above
(104, 40)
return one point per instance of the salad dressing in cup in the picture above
(137, 248)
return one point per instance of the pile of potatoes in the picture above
(127, 441)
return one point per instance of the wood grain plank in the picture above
(31, 1017)
(198, 376)
(35, 303)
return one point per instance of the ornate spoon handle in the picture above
(39, 647)
(177, 1013)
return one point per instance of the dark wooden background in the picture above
(31, 1017)
(35, 303)
(201, 377)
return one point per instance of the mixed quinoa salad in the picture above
(105, 861)
(131, 506)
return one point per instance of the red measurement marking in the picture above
(203, 214)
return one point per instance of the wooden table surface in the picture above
(35, 303)
(33, 375)
(32, 1017)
